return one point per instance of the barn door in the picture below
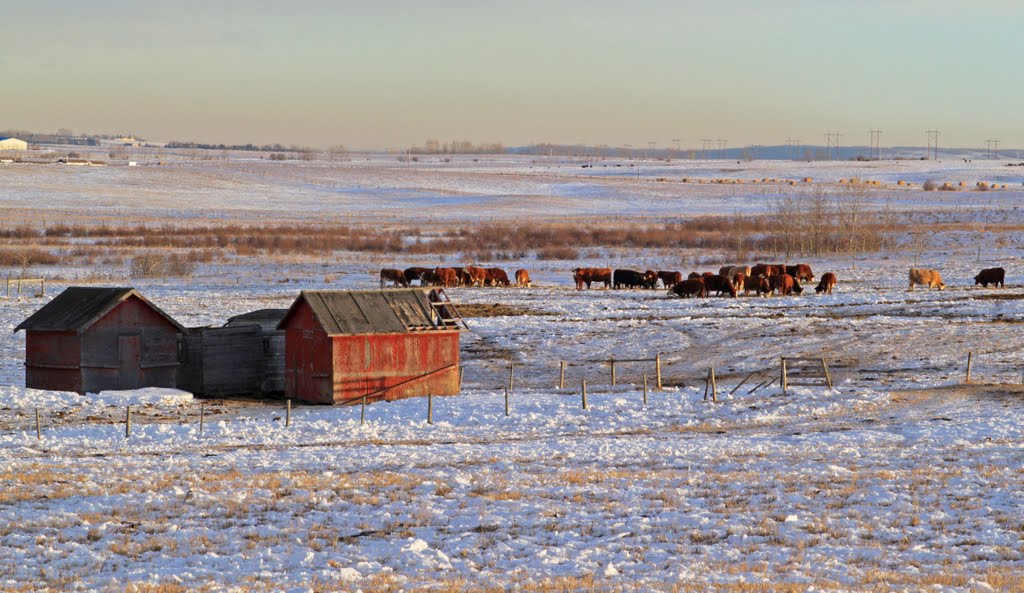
(129, 368)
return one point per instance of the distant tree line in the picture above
(433, 146)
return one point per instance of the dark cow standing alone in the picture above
(995, 276)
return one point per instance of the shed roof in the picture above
(78, 307)
(342, 312)
(266, 318)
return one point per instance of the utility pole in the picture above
(675, 145)
(629, 151)
(705, 147)
(721, 147)
(832, 140)
(933, 140)
(650, 149)
(992, 148)
(876, 150)
(793, 148)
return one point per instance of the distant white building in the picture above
(12, 144)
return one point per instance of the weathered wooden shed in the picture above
(244, 357)
(382, 344)
(91, 339)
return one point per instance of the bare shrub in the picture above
(563, 252)
(929, 185)
(147, 265)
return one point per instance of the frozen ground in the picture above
(899, 479)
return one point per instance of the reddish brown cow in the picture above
(392, 275)
(801, 272)
(782, 283)
(589, 275)
(693, 275)
(759, 284)
(691, 287)
(719, 284)
(477, 276)
(670, 279)
(828, 281)
(463, 276)
(415, 274)
(766, 270)
(651, 278)
(522, 278)
(446, 277)
(497, 277)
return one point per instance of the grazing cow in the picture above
(415, 274)
(719, 284)
(766, 270)
(463, 276)
(497, 277)
(522, 278)
(759, 284)
(779, 269)
(691, 287)
(588, 275)
(990, 276)
(446, 277)
(724, 270)
(392, 275)
(797, 289)
(925, 277)
(630, 279)
(828, 281)
(428, 278)
(670, 279)
(734, 271)
(477, 276)
(801, 272)
(783, 284)
(693, 275)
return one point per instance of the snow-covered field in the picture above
(900, 478)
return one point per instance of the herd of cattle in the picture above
(762, 279)
(465, 276)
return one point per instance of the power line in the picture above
(992, 146)
(933, 140)
(876, 149)
(832, 141)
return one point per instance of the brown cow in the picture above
(693, 275)
(988, 276)
(522, 278)
(651, 277)
(925, 277)
(392, 275)
(588, 275)
(428, 278)
(783, 283)
(759, 284)
(801, 272)
(828, 281)
(463, 276)
(719, 284)
(497, 277)
(446, 277)
(415, 274)
(690, 287)
(766, 270)
(670, 279)
(477, 276)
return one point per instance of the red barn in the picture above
(383, 344)
(94, 339)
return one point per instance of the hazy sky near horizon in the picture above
(388, 73)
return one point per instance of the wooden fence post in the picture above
(657, 370)
(783, 378)
(612, 363)
(584, 394)
(828, 377)
(39, 431)
(128, 422)
(288, 413)
(714, 386)
(645, 390)
(511, 370)
(202, 416)
(430, 408)
(506, 403)
(462, 373)
(561, 374)
(362, 412)
(970, 355)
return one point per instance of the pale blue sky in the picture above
(378, 74)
